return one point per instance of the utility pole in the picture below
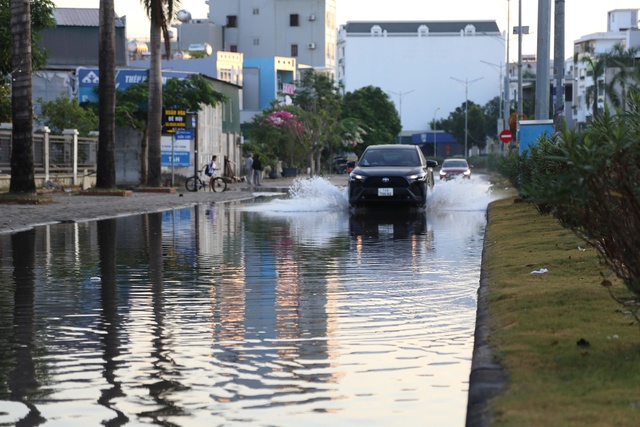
(542, 66)
(519, 62)
(466, 110)
(558, 64)
(435, 147)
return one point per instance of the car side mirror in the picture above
(432, 163)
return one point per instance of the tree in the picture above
(376, 114)
(22, 172)
(160, 13)
(319, 97)
(64, 113)
(18, 62)
(491, 111)
(106, 171)
(475, 124)
(597, 66)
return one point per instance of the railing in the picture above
(54, 154)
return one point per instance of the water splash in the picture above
(461, 195)
(308, 195)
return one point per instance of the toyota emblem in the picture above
(385, 180)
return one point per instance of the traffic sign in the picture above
(506, 136)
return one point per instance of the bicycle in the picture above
(199, 182)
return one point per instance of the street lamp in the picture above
(400, 95)
(435, 147)
(466, 109)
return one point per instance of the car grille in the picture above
(394, 181)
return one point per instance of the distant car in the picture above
(391, 174)
(452, 168)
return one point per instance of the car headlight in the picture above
(467, 172)
(417, 177)
(355, 177)
(442, 173)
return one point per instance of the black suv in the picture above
(391, 174)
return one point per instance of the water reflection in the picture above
(278, 312)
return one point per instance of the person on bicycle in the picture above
(210, 169)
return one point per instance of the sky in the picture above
(581, 17)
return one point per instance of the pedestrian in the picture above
(249, 168)
(257, 170)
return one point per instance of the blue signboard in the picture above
(184, 134)
(89, 78)
(180, 158)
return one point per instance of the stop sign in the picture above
(506, 136)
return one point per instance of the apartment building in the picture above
(301, 29)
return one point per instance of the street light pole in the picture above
(466, 110)
(435, 147)
(400, 95)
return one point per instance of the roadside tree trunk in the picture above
(22, 169)
(106, 173)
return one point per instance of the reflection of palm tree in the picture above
(22, 380)
(111, 321)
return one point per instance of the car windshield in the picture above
(390, 158)
(454, 164)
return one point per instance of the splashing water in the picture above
(309, 195)
(461, 195)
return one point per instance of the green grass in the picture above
(536, 321)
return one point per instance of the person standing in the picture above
(249, 168)
(257, 170)
(210, 169)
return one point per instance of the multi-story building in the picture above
(622, 30)
(424, 66)
(302, 29)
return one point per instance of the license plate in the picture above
(385, 192)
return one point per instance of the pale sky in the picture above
(581, 17)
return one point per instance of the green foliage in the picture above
(190, 93)
(5, 103)
(509, 167)
(41, 18)
(475, 124)
(376, 113)
(590, 181)
(63, 113)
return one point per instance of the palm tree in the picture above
(624, 60)
(597, 65)
(160, 13)
(106, 173)
(22, 171)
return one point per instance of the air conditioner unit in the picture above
(311, 45)
(312, 17)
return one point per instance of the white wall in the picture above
(427, 66)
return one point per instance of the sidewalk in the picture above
(71, 207)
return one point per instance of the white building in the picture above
(424, 66)
(300, 29)
(622, 29)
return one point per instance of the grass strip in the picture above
(570, 353)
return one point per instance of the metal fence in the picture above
(55, 155)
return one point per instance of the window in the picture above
(256, 41)
(294, 50)
(256, 11)
(232, 21)
(233, 48)
(294, 20)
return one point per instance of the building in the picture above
(424, 66)
(304, 29)
(266, 80)
(622, 30)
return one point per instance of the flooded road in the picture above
(283, 311)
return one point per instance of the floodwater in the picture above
(288, 310)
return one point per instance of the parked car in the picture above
(391, 174)
(452, 168)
